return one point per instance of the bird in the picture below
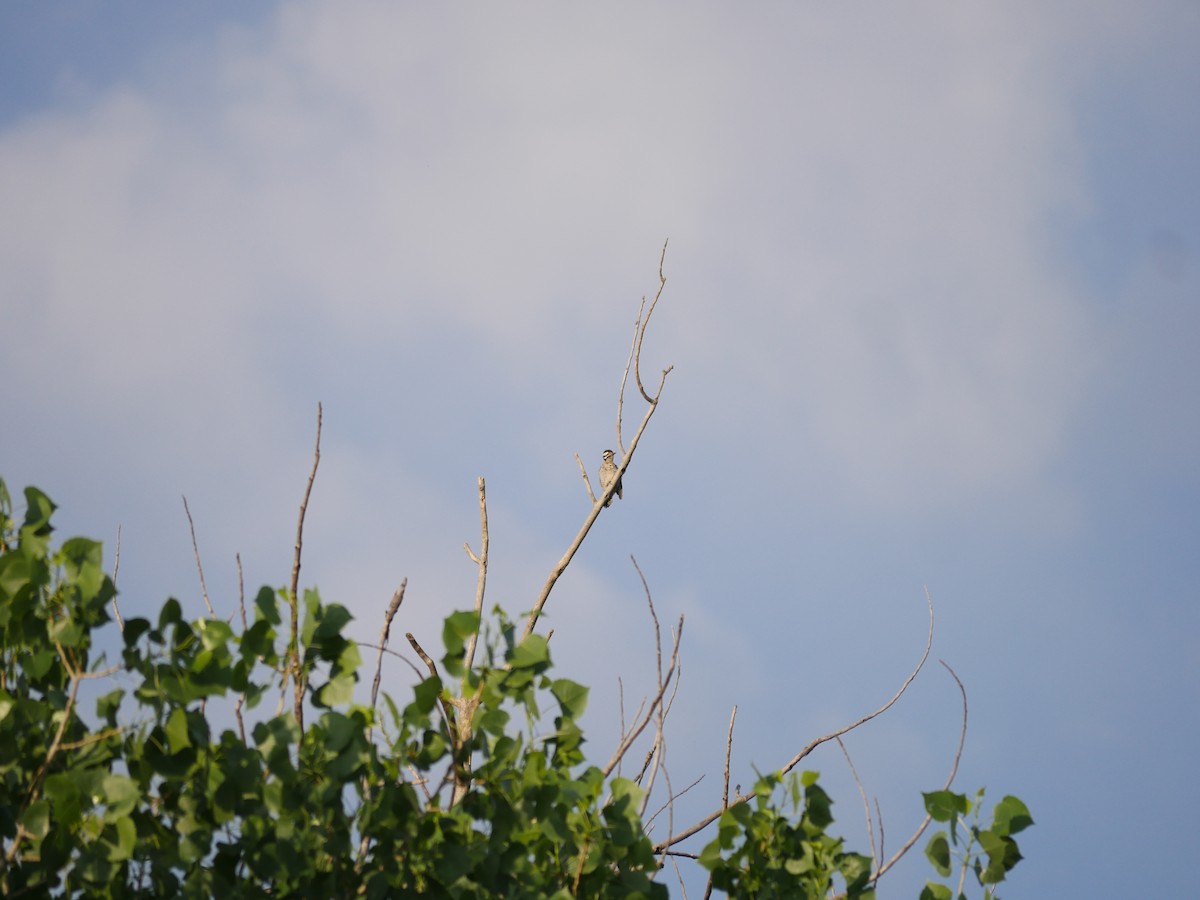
(608, 474)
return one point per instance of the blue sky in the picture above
(933, 302)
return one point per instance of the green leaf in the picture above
(571, 696)
(121, 796)
(177, 731)
(934, 891)
(266, 606)
(945, 806)
(937, 851)
(338, 691)
(532, 653)
(63, 793)
(36, 818)
(1011, 816)
(1002, 853)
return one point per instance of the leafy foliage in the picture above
(989, 853)
(759, 852)
(163, 792)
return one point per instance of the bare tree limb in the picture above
(638, 728)
(812, 745)
(196, 552)
(593, 514)
(626, 455)
(299, 681)
(393, 608)
(587, 481)
(637, 356)
(866, 803)
(962, 737)
(482, 562)
(116, 568)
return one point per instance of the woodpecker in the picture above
(608, 474)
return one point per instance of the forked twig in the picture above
(812, 745)
(962, 737)
(866, 803)
(626, 455)
(482, 562)
(637, 356)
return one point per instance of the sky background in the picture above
(933, 304)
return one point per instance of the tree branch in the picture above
(482, 562)
(812, 745)
(196, 552)
(298, 679)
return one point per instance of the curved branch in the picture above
(482, 562)
(637, 356)
(812, 745)
(962, 737)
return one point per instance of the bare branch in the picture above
(196, 552)
(866, 803)
(728, 754)
(116, 568)
(638, 728)
(633, 345)
(298, 679)
(587, 481)
(593, 514)
(393, 608)
(482, 562)
(812, 745)
(962, 737)
(626, 455)
(637, 356)
(241, 590)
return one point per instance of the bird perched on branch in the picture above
(608, 474)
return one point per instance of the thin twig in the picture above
(299, 682)
(587, 481)
(728, 754)
(626, 456)
(672, 798)
(117, 568)
(593, 514)
(482, 562)
(812, 745)
(241, 590)
(633, 345)
(637, 729)
(637, 357)
(866, 803)
(962, 737)
(393, 608)
(196, 551)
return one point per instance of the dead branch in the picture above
(637, 356)
(196, 552)
(626, 455)
(299, 682)
(812, 745)
(593, 514)
(482, 562)
(728, 754)
(962, 737)
(866, 803)
(587, 481)
(116, 568)
(393, 608)
(640, 726)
